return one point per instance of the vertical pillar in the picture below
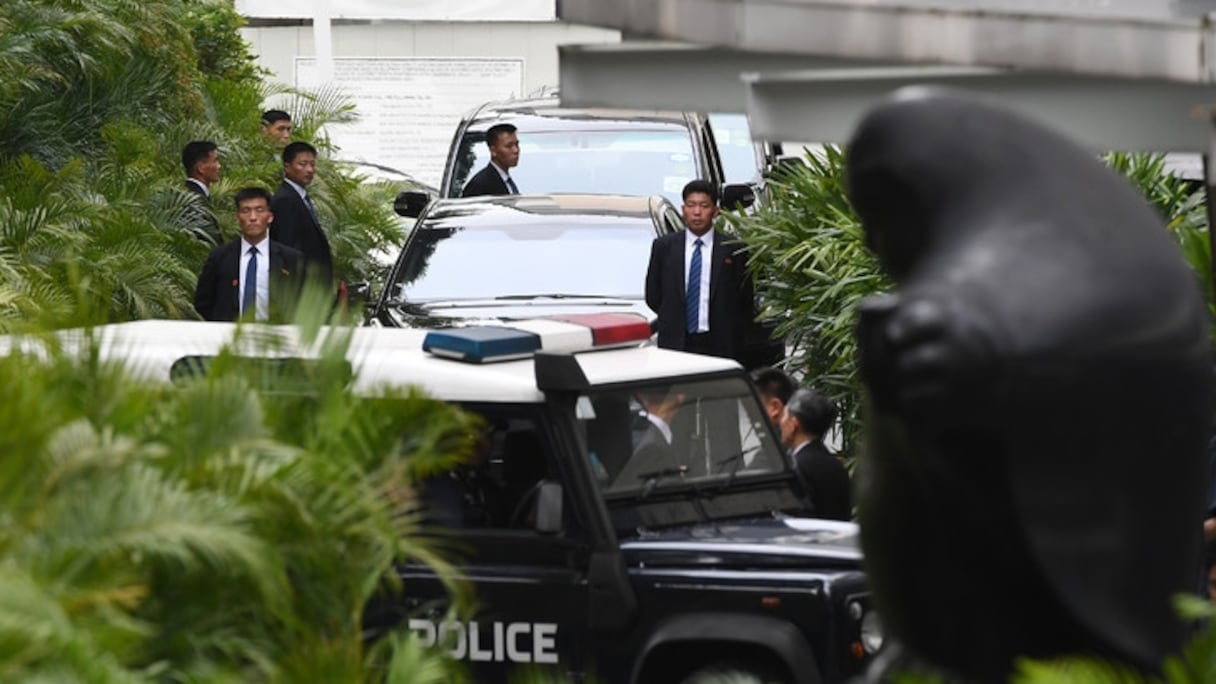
(323, 42)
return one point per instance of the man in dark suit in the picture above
(252, 277)
(808, 416)
(201, 161)
(698, 282)
(296, 223)
(495, 178)
(652, 436)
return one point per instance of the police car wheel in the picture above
(734, 673)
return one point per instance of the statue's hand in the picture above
(923, 356)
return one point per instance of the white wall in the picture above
(277, 47)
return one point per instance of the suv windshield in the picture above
(601, 256)
(626, 162)
(707, 433)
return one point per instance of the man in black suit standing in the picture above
(698, 282)
(252, 277)
(495, 178)
(808, 416)
(201, 161)
(296, 223)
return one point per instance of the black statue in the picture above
(1040, 394)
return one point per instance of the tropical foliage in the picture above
(96, 101)
(812, 267)
(231, 528)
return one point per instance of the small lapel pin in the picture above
(236, 283)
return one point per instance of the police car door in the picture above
(529, 587)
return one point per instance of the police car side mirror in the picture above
(549, 508)
(410, 203)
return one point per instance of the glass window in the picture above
(496, 487)
(601, 256)
(734, 140)
(627, 162)
(704, 433)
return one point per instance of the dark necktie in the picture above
(312, 209)
(511, 186)
(692, 300)
(249, 297)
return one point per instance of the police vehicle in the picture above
(630, 516)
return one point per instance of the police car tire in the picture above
(733, 673)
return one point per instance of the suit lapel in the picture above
(677, 257)
(232, 261)
(276, 260)
(719, 258)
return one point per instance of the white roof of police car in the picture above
(382, 356)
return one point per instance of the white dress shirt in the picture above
(262, 288)
(707, 251)
(297, 187)
(661, 424)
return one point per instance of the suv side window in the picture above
(471, 155)
(496, 488)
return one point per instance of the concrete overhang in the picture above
(1160, 39)
(1101, 113)
(791, 97)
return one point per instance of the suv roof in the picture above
(378, 356)
(539, 114)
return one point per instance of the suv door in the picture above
(529, 588)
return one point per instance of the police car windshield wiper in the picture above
(652, 478)
(735, 462)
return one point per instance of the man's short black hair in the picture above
(252, 192)
(194, 152)
(493, 133)
(813, 410)
(773, 382)
(270, 116)
(701, 186)
(296, 148)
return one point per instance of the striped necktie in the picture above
(692, 300)
(249, 297)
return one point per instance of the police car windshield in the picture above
(625, 162)
(708, 434)
(600, 256)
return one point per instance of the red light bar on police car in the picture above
(519, 339)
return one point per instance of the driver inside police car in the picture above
(652, 435)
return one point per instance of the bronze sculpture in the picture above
(1040, 394)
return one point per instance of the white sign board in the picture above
(409, 107)
(413, 10)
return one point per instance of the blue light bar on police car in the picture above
(520, 339)
(481, 343)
